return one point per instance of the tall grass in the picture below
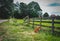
(25, 33)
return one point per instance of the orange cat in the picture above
(37, 29)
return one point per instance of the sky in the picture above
(50, 6)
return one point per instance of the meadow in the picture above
(18, 31)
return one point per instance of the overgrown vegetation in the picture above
(21, 32)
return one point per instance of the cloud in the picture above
(56, 13)
(54, 4)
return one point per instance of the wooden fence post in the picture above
(33, 23)
(53, 17)
(52, 24)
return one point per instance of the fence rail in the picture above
(49, 21)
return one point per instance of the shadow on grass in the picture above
(56, 33)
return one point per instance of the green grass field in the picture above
(20, 32)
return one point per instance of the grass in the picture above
(21, 32)
(47, 24)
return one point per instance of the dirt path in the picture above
(1, 21)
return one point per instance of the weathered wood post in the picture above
(33, 23)
(28, 19)
(53, 17)
(40, 20)
(40, 16)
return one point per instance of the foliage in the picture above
(6, 8)
(18, 10)
(25, 10)
(33, 8)
(57, 17)
(46, 14)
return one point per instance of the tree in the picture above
(57, 17)
(5, 8)
(17, 10)
(20, 10)
(46, 14)
(23, 9)
(33, 8)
